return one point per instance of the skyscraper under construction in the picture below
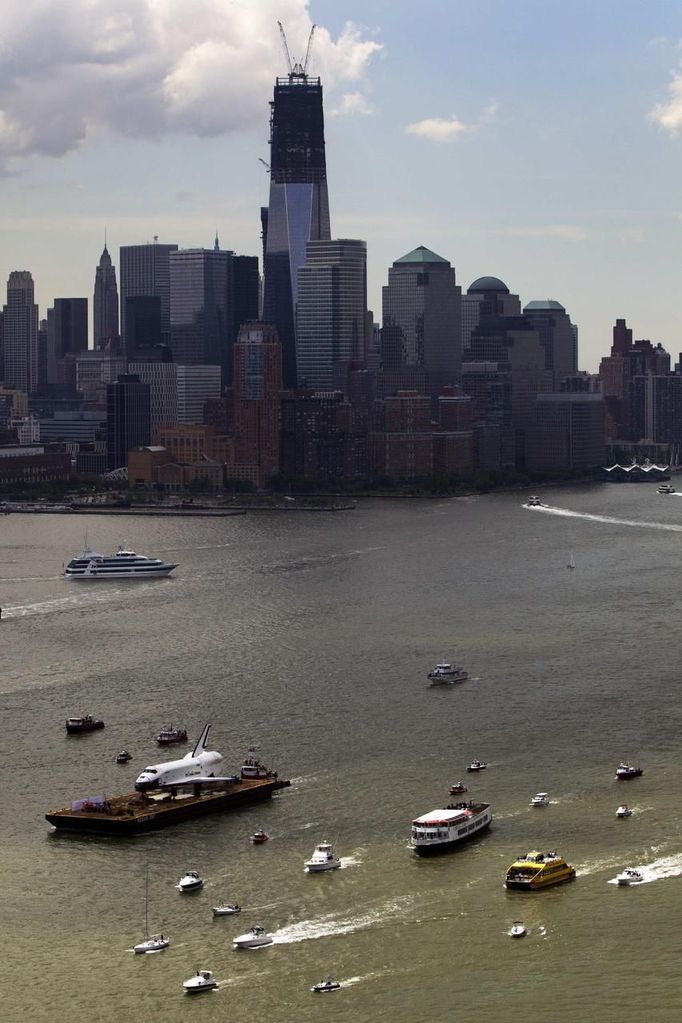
(298, 210)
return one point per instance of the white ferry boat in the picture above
(125, 564)
(438, 830)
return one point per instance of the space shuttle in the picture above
(196, 767)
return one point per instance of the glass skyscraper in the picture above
(298, 211)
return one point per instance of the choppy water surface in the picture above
(311, 634)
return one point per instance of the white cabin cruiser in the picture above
(257, 937)
(476, 765)
(228, 909)
(323, 858)
(624, 811)
(517, 929)
(624, 771)
(630, 876)
(203, 981)
(328, 984)
(190, 882)
(447, 672)
(540, 799)
(125, 564)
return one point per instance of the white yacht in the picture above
(540, 799)
(447, 672)
(202, 981)
(328, 984)
(190, 882)
(125, 564)
(323, 858)
(623, 811)
(257, 937)
(151, 942)
(630, 876)
(439, 830)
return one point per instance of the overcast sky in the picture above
(539, 141)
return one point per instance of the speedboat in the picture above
(457, 788)
(125, 564)
(259, 837)
(123, 757)
(517, 929)
(203, 981)
(154, 943)
(228, 909)
(624, 811)
(630, 876)
(190, 882)
(447, 672)
(328, 984)
(476, 765)
(257, 937)
(666, 488)
(625, 771)
(540, 799)
(170, 735)
(84, 723)
(323, 858)
(533, 502)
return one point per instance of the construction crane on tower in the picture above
(296, 70)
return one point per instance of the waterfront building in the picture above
(568, 431)
(145, 270)
(94, 371)
(401, 442)
(298, 208)
(128, 423)
(627, 360)
(557, 336)
(331, 314)
(105, 303)
(162, 378)
(256, 402)
(656, 409)
(317, 436)
(196, 385)
(20, 334)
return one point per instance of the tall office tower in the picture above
(331, 315)
(67, 334)
(143, 330)
(20, 330)
(2, 347)
(256, 400)
(162, 378)
(127, 418)
(196, 386)
(200, 307)
(298, 210)
(145, 270)
(246, 294)
(568, 432)
(557, 337)
(422, 318)
(42, 354)
(105, 302)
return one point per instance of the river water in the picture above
(311, 635)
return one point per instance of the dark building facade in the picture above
(128, 418)
(145, 270)
(67, 334)
(144, 338)
(105, 302)
(568, 432)
(298, 209)
(20, 334)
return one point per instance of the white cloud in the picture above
(352, 103)
(569, 232)
(438, 129)
(669, 115)
(70, 69)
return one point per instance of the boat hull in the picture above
(319, 868)
(538, 883)
(103, 576)
(447, 845)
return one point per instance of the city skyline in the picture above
(564, 193)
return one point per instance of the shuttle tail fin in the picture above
(201, 741)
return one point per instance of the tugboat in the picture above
(447, 672)
(190, 882)
(169, 736)
(203, 981)
(625, 771)
(630, 876)
(457, 788)
(257, 937)
(328, 984)
(476, 765)
(124, 757)
(439, 830)
(538, 870)
(85, 723)
(323, 858)
(259, 837)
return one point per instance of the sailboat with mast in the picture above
(152, 942)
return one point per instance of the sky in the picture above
(539, 142)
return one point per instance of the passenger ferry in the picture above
(125, 564)
(538, 870)
(438, 830)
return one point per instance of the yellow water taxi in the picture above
(538, 870)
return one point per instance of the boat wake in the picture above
(317, 561)
(332, 924)
(659, 870)
(609, 520)
(349, 861)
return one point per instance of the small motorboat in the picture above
(540, 799)
(323, 858)
(124, 757)
(457, 788)
(170, 735)
(328, 984)
(190, 882)
(228, 909)
(259, 837)
(625, 771)
(257, 937)
(624, 811)
(84, 723)
(203, 981)
(447, 672)
(533, 502)
(476, 765)
(630, 876)
(517, 929)
(666, 488)
(154, 943)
